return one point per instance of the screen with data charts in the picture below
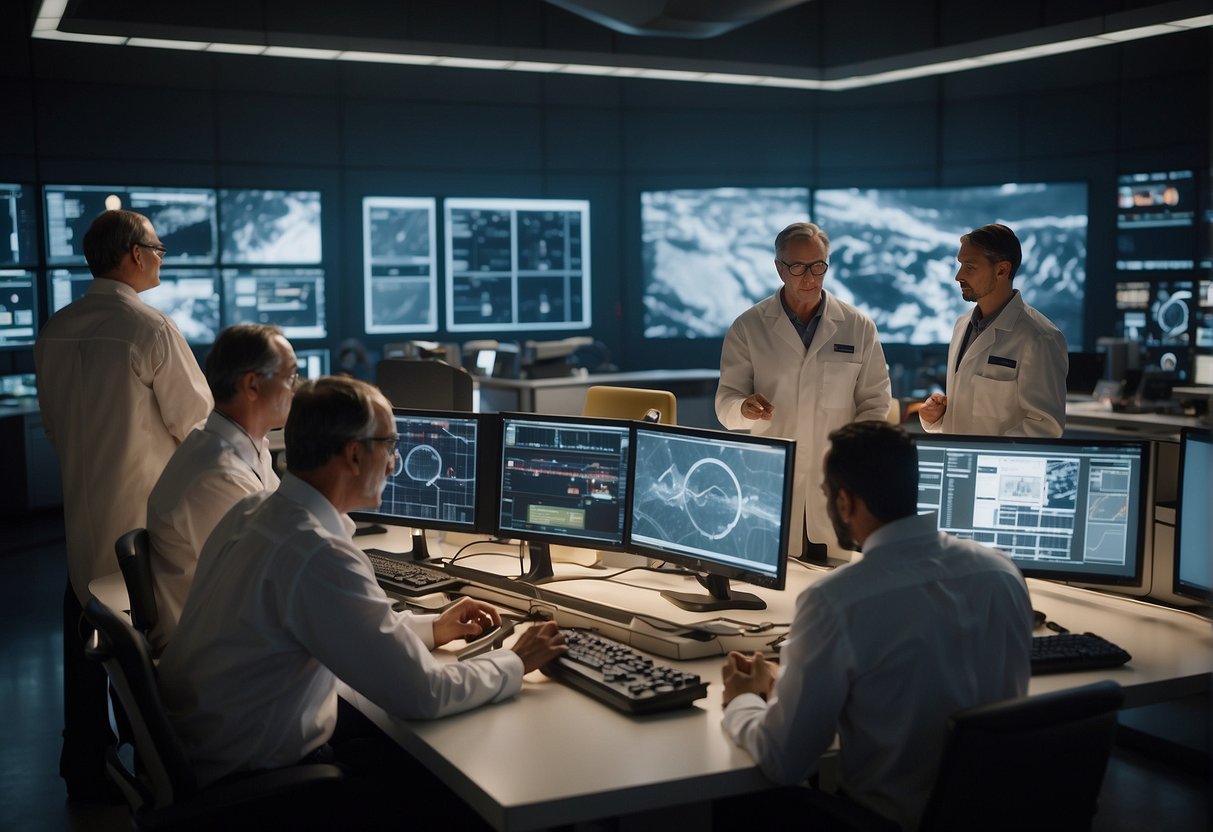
(517, 264)
(292, 299)
(1072, 510)
(400, 264)
(18, 308)
(18, 225)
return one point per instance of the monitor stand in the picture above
(719, 597)
(363, 527)
(540, 557)
(815, 553)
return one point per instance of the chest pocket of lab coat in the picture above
(996, 394)
(838, 383)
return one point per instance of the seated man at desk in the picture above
(883, 650)
(284, 604)
(251, 371)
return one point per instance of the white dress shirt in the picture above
(118, 389)
(283, 604)
(1012, 379)
(842, 377)
(214, 468)
(882, 651)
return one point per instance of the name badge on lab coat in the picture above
(844, 348)
(1002, 362)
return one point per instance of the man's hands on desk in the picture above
(468, 619)
(747, 674)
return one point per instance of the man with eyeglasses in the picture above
(800, 364)
(284, 603)
(118, 389)
(251, 370)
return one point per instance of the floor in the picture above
(1140, 791)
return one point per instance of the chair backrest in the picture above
(165, 775)
(134, 559)
(424, 383)
(629, 403)
(1032, 763)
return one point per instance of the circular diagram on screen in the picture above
(423, 464)
(712, 496)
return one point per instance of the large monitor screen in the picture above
(708, 255)
(292, 299)
(400, 264)
(312, 363)
(439, 480)
(517, 264)
(191, 298)
(1194, 522)
(18, 225)
(1157, 312)
(1156, 220)
(718, 503)
(269, 227)
(893, 252)
(564, 479)
(1071, 510)
(18, 308)
(184, 218)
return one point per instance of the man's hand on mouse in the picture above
(466, 619)
(747, 674)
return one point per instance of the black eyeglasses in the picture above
(817, 267)
(390, 441)
(160, 250)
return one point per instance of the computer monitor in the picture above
(1193, 572)
(400, 264)
(312, 363)
(18, 225)
(1062, 509)
(718, 503)
(269, 227)
(1156, 220)
(18, 308)
(563, 479)
(445, 474)
(191, 298)
(293, 299)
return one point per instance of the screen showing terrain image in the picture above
(893, 252)
(709, 255)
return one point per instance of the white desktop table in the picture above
(553, 756)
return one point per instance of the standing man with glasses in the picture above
(251, 370)
(284, 604)
(118, 389)
(798, 365)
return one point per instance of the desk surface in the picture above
(553, 756)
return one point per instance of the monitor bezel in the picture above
(560, 538)
(1180, 587)
(1145, 514)
(699, 564)
(487, 438)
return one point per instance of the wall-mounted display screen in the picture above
(517, 264)
(191, 298)
(708, 255)
(269, 227)
(1156, 220)
(18, 308)
(184, 218)
(293, 299)
(1156, 311)
(893, 252)
(18, 225)
(312, 363)
(400, 264)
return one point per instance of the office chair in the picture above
(161, 787)
(134, 559)
(629, 403)
(424, 383)
(1031, 763)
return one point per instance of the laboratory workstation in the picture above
(570, 415)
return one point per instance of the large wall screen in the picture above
(400, 264)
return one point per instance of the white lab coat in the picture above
(1012, 381)
(841, 378)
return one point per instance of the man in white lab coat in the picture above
(1007, 362)
(798, 365)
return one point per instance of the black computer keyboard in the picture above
(618, 676)
(409, 578)
(1072, 652)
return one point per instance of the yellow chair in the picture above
(629, 403)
